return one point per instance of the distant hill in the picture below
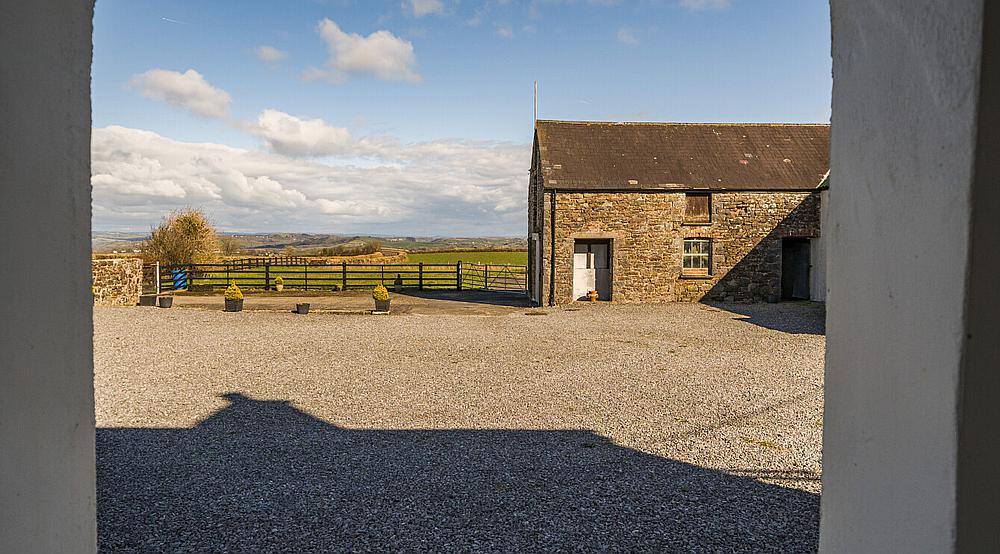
(303, 243)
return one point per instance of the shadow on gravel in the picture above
(264, 476)
(493, 298)
(796, 317)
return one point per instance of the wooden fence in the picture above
(343, 276)
(251, 263)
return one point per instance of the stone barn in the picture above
(663, 212)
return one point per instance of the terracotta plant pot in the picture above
(166, 301)
(382, 306)
(234, 305)
(593, 296)
(302, 308)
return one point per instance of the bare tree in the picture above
(182, 238)
(230, 245)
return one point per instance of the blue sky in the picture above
(411, 116)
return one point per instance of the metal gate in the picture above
(501, 278)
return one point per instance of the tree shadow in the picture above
(265, 476)
(800, 317)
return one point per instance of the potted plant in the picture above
(593, 296)
(234, 298)
(381, 296)
(279, 284)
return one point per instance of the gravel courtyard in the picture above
(680, 427)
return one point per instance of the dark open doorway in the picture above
(795, 269)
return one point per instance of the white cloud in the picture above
(189, 91)
(292, 136)
(420, 8)
(504, 31)
(702, 5)
(625, 36)
(381, 54)
(437, 187)
(270, 54)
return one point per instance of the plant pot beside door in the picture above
(234, 298)
(166, 301)
(381, 296)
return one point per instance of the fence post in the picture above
(267, 276)
(420, 277)
(343, 275)
(382, 274)
(486, 276)
(307, 276)
(458, 275)
(157, 278)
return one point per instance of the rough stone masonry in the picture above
(117, 281)
(646, 231)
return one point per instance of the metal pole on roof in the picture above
(536, 101)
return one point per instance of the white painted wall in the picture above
(817, 253)
(47, 491)
(905, 93)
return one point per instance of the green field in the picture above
(477, 257)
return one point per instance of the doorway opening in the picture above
(592, 268)
(795, 265)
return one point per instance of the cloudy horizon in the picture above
(391, 118)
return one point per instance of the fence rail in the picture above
(343, 276)
(251, 263)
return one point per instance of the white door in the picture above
(584, 273)
(591, 269)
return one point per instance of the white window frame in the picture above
(707, 256)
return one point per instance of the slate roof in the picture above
(583, 155)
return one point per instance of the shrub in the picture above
(234, 292)
(182, 238)
(380, 293)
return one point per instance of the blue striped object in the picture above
(180, 278)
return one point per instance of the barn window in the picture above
(697, 257)
(698, 209)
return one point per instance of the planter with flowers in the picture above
(381, 296)
(234, 298)
(279, 284)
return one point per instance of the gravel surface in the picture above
(680, 427)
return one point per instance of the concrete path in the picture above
(360, 301)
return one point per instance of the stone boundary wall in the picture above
(647, 229)
(117, 281)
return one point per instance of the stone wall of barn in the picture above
(117, 281)
(647, 229)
